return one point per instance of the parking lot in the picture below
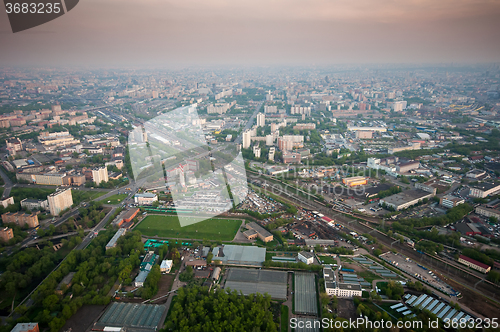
(417, 271)
(261, 204)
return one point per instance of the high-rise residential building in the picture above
(98, 175)
(269, 140)
(399, 106)
(59, 201)
(247, 139)
(270, 109)
(272, 151)
(261, 120)
(256, 151)
(300, 110)
(6, 234)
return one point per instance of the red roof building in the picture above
(472, 263)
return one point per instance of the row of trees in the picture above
(196, 309)
(95, 275)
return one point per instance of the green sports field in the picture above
(169, 227)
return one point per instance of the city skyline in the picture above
(169, 34)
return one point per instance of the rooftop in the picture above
(406, 196)
(20, 327)
(484, 186)
(355, 287)
(473, 261)
(115, 237)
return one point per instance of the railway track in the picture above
(460, 275)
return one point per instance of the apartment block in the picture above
(6, 234)
(59, 201)
(20, 219)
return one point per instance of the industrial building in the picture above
(114, 239)
(239, 255)
(60, 201)
(364, 134)
(252, 281)
(405, 199)
(306, 257)
(483, 189)
(408, 166)
(132, 317)
(475, 174)
(145, 198)
(355, 181)
(125, 217)
(450, 201)
(333, 288)
(481, 267)
(488, 212)
(305, 299)
(262, 233)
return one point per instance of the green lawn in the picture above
(115, 199)
(169, 227)
(85, 195)
(328, 259)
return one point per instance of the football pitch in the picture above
(169, 227)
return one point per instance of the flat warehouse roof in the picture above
(305, 293)
(251, 281)
(133, 316)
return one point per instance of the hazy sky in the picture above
(253, 32)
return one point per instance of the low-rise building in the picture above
(126, 217)
(34, 204)
(333, 288)
(262, 233)
(450, 201)
(114, 239)
(291, 157)
(406, 199)
(481, 267)
(306, 257)
(488, 212)
(475, 174)
(26, 327)
(483, 189)
(166, 266)
(250, 234)
(408, 166)
(355, 181)
(67, 281)
(6, 202)
(145, 198)
(20, 219)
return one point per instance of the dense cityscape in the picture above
(264, 199)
